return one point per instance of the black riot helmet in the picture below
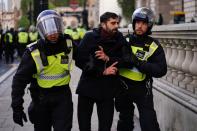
(21, 29)
(144, 14)
(49, 22)
(32, 28)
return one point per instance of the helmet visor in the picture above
(49, 25)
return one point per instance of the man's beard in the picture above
(113, 31)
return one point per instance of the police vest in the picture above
(68, 31)
(134, 74)
(81, 32)
(22, 37)
(33, 36)
(56, 73)
(9, 37)
(75, 35)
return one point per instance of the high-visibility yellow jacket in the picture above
(134, 74)
(10, 37)
(56, 73)
(33, 36)
(22, 37)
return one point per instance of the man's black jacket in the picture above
(92, 82)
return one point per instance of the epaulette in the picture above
(69, 43)
(89, 31)
(31, 47)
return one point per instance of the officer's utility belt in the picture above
(55, 89)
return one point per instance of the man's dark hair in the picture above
(107, 15)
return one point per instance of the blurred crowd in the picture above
(14, 41)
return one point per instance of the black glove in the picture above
(19, 117)
(31, 112)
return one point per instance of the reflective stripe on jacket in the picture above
(134, 74)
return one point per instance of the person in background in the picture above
(160, 19)
(68, 31)
(33, 34)
(81, 30)
(1, 44)
(14, 34)
(46, 66)
(8, 46)
(75, 34)
(22, 41)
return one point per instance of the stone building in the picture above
(169, 7)
(93, 13)
(9, 14)
(102, 6)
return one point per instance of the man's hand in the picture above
(111, 70)
(100, 54)
(19, 117)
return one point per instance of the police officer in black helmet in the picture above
(45, 65)
(147, 60)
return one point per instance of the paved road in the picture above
(6, 122)
(4, 68)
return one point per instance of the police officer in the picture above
(14, 34)
(22, 41)
(1, 44)
(99, 83)
(45, 65)
(147, 60)
(8, 45)
(81, 30)
(68, 31)
(33, 34)
(75, 34)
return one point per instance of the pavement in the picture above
(6, 122)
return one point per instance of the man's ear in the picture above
(103, 25)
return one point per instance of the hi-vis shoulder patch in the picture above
(32, 46)
(69, 43)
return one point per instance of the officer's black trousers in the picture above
(105, 112)
(147, 114)
(126, 112)
(1, 52)
(55, 109)
(9, 54)
(21, 49)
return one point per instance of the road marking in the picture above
(5, 76)
(8, 73)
